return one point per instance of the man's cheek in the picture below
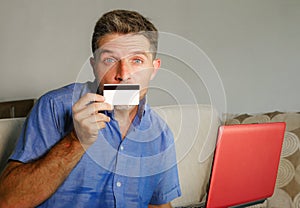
(104, 74)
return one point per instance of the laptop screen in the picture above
(245, 164)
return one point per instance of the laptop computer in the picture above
(245, 165)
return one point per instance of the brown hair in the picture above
(124, 22)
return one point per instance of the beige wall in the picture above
(254, 46)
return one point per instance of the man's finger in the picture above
(86, 100)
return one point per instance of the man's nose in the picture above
(123, 71)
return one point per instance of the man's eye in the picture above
(109, 60)
(137, 61)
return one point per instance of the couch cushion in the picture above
(195, 131)
(10, 130)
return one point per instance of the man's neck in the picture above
(124, 116)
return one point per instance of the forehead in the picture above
(124, 44)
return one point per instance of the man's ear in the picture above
(93, 65)
(156, 66)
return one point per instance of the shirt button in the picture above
(121, 147)
(119, 184)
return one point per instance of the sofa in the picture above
(195, 129)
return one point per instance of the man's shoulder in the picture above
(154, 115)
(66, 90)
(69, 92)
(62, 99)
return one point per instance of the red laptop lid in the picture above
(245, 163)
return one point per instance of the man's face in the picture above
(125, 59)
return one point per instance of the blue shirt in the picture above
(134, 172)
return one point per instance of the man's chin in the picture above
(124, 107)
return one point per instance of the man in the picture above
(76, 150)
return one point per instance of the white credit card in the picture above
(122, 94)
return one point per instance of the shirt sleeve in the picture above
(168, 187)
(40, 131)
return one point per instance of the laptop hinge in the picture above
(249, 204)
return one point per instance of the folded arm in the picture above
(168, 205)
(28, 185)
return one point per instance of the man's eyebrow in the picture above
(132, 53)
(145, 53)
(101, 51)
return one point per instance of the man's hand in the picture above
(168, 205)
(88, 119)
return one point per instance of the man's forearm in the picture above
(27, 185)
(168, 205)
